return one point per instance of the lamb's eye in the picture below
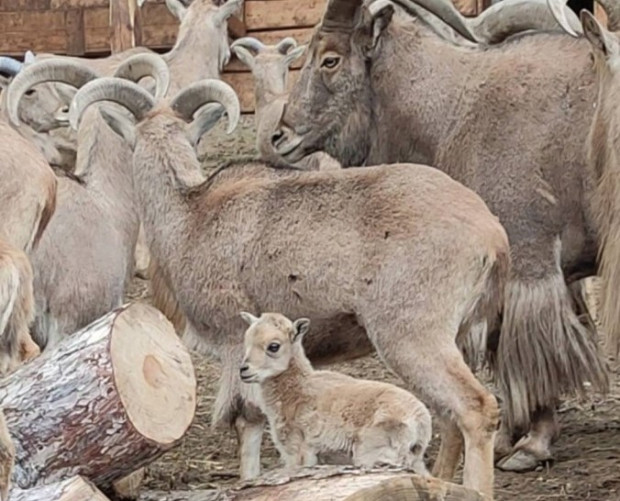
(330, 62)
(273, 347)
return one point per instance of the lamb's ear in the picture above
(300, 327)
(120, 124)
(248, 317)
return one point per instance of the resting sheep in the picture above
(401, 254)
(321, 412)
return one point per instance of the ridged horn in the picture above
(10, 66)
(285, 45)
(558, 9)
(248, 43)
(117, 90)
(146, 65)
(49, 70)
(195, 96)
(227, 10)
(444, 10)
(508, 17)
(340, 13)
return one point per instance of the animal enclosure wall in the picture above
(82, 28)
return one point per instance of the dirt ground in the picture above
(587, 465)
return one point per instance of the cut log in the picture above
(331, 483)
(105, 402)
(72, 489)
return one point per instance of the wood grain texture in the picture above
(331, 484)
(107, 401)
(73, 489)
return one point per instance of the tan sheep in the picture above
(312, 413)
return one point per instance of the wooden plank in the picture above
(152, 15)
(123, 33)
(76, 45)
(32, 21)
(266, 14)
(15, 43)
(29, 5)
(78, 4)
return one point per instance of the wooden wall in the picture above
(81, 28)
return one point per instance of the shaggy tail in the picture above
(164, 299)
(46, 214)
(476, 331)
(544, 350)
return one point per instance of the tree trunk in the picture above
(331, 484)
(105, 402)
(72, 489)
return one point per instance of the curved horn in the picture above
(444, 10)
(146, 65)
(120, 91)
(227, 10)
(558, 9)
(50, 70)
(340, 13)
(10, 66)
(193, 97)
(285, 45)
(249, 43)
(508, 17)
(612, 9)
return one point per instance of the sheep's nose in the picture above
(243, 369)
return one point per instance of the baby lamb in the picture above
(315, 413)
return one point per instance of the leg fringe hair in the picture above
(544, 351)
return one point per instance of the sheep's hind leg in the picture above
(442, 378)
(449, 451)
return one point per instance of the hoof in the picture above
(521, 461)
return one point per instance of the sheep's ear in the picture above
(600, 39)
(300, 327)
(244, 56)
(177, 8)
(294, 54)
(248, 317)
(29, 57)
(375, 19)
(120, 124)
(204, 121)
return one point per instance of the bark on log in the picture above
(107, 401)
(72, 489)
(331, 484)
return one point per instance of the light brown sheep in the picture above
(312, 413)
(403, 254)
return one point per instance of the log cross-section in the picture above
(106, 401)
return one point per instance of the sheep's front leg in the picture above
(250, 436)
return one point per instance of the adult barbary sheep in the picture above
(402, 253)
(321, 412)
(604, 158)
(510, 122)
(270, 68)
(85, 259)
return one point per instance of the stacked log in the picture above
(108, 400)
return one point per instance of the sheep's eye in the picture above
(330, 62)
(273, 347)
(30, 92)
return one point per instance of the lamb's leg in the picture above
(250, 436)
(438, 372)
(449, 451)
